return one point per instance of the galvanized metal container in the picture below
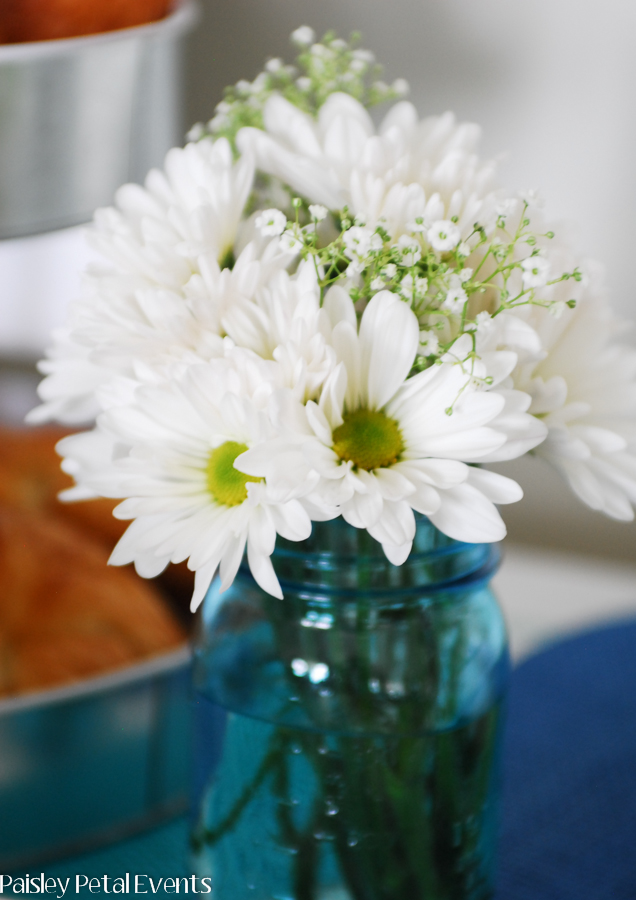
(80, 117)
(94, 762)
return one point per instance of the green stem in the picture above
(210, 836)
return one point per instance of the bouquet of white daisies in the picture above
(304, 316)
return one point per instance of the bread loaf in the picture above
(45, 20)
(64, 613)
(31, 479)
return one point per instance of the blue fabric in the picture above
(569, 817)
(569, 824)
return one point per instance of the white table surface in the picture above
(547, 595)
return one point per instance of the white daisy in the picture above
(112, 328)
(182, 488)
(410, 170)
(383, 444)
(183, 224)
(193, 206)
(170, 282)
(285, 322)
(68, 389)
(583, 387)
(237, 402)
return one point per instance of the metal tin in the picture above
(94, 762)
(80, 117)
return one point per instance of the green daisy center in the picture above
(227, 259)
(226, 484)
(369, 439)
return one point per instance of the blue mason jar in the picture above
(347, 737)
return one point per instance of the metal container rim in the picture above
(181, 19)
(99, 684)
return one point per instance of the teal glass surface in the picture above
(347, 737)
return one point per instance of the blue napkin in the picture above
(569, 814)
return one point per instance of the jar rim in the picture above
(482, 571)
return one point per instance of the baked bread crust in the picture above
(64, 613)
(31, 479)
(45, 20)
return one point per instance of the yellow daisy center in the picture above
(227, 485)
(369, 439)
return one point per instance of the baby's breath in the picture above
(321, 69)
(425, 264)
(426, 267)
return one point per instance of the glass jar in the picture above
(347, 737)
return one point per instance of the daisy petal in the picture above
(497, 488)
(389, 338)
(466, 515)
(263, 571)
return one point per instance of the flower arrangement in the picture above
(304, 317)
